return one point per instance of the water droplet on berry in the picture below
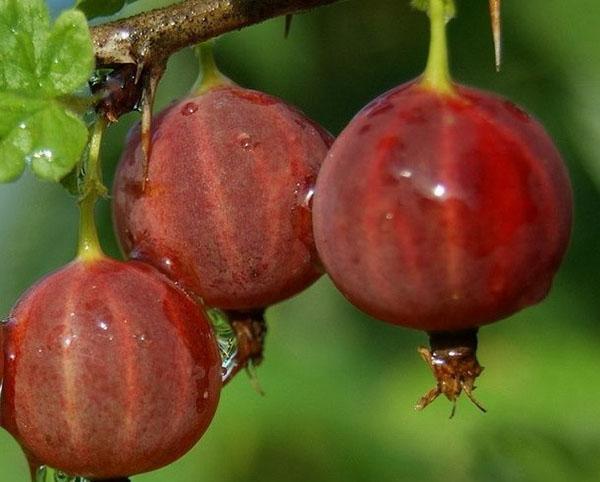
(189, 108)
(306, 197)
(246, 142)
(405, 173)
(167, 263)
(439, 191)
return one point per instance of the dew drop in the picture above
(45, 155)
(307, 197)
(189, 109)
(439, 190)
(245, 141)
(123, 34)
(167, 263)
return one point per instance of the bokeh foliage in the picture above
(340, 386)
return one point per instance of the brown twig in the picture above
(153, 36)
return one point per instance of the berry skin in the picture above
(225, 208)
(110, 370)
(442, 212)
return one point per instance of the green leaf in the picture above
(40, 66)
(71, 182)
(24, 26)
(15, 108)
(14, 135)
(57, 140)
(12, 162)
(68, 59)
(40, 132)
(101, 8)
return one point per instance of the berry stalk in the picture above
(91, 188)
(437, 72)
(210, 76)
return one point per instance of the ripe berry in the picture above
(110, 370)
(464, 212)
(225, 207)
(443, 208)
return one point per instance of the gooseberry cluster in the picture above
(439, 207)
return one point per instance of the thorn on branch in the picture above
(495, 15)
(151, 81)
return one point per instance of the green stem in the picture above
(210, 76)
(437, 72)
(92, 188)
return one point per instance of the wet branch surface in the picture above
(151, 37)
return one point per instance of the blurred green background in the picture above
(340, 387)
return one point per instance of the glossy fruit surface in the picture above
(110, 370)
(442, 212)
(225, 210)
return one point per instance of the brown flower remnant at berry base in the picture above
(250, 330)
(453, 361)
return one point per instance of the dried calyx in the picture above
(453, 362)
(250, 331)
